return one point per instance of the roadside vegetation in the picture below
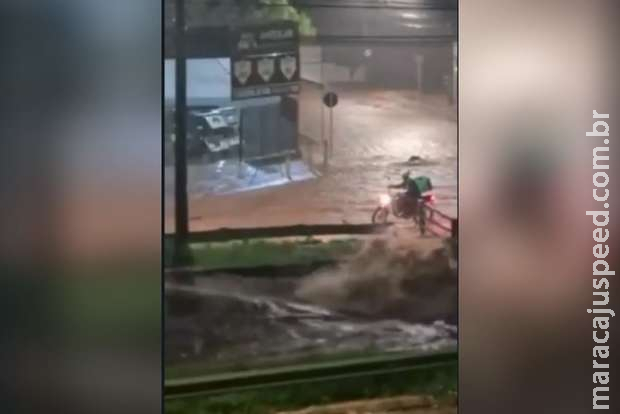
(262, 252)
(441, 383)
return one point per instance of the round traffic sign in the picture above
(330, 99)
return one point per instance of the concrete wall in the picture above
(314, 69)
(390, 65)
(208, 82)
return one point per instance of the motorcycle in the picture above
(396, 205)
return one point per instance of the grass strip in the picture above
(440, 382)
(254, 253)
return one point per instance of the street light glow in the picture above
(414, 25)
(411, 15)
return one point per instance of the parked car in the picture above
(211, 133)
(216, 130)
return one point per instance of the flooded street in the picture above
(385, 299)
(374, 134)
(391, 296)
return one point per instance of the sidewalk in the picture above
(231, 176)
(390, 405)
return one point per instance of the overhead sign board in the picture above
(265, 60)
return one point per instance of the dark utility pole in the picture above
(180, 148)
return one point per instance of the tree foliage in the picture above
(270, 10)
(231, 12)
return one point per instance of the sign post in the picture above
(240, 149)
(331, 132)
(330, 99)
(419, 61)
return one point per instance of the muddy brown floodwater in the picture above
(375, 133)
(396, 294)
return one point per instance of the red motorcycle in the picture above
(399, 206)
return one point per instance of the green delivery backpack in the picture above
(423, 184)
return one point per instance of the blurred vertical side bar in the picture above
(80, 197)
(530, 75)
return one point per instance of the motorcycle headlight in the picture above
(385, 199)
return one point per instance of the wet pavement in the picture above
(231, 177)
(374, 134)
(404, 404)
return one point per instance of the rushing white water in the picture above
(389, 297)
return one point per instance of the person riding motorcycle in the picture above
(414, 188)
